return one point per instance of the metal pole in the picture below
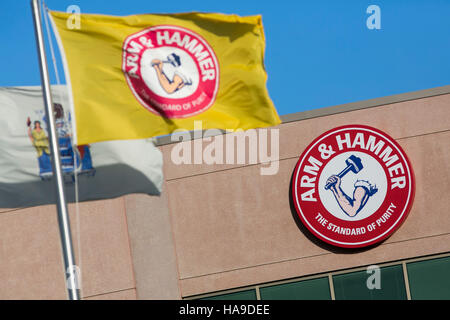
(63, 217)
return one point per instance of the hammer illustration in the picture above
(173, 59)
(354, 164)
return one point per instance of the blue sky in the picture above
(319, 53)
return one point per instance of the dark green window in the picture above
(429, 279)
(242, 295)
(315, 289)
(353, 286)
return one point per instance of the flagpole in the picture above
(63, 217)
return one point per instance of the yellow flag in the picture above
(147, 75)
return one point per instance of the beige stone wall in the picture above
(233, 227)
(217, 227)
(31, 265)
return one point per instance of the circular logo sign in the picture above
(171, 71)
(353, 186)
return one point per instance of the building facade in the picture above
(225, 231)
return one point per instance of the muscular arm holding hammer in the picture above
(170, 86)
(350, 206)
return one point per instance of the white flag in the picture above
(102, 170)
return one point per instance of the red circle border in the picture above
(396, 224)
